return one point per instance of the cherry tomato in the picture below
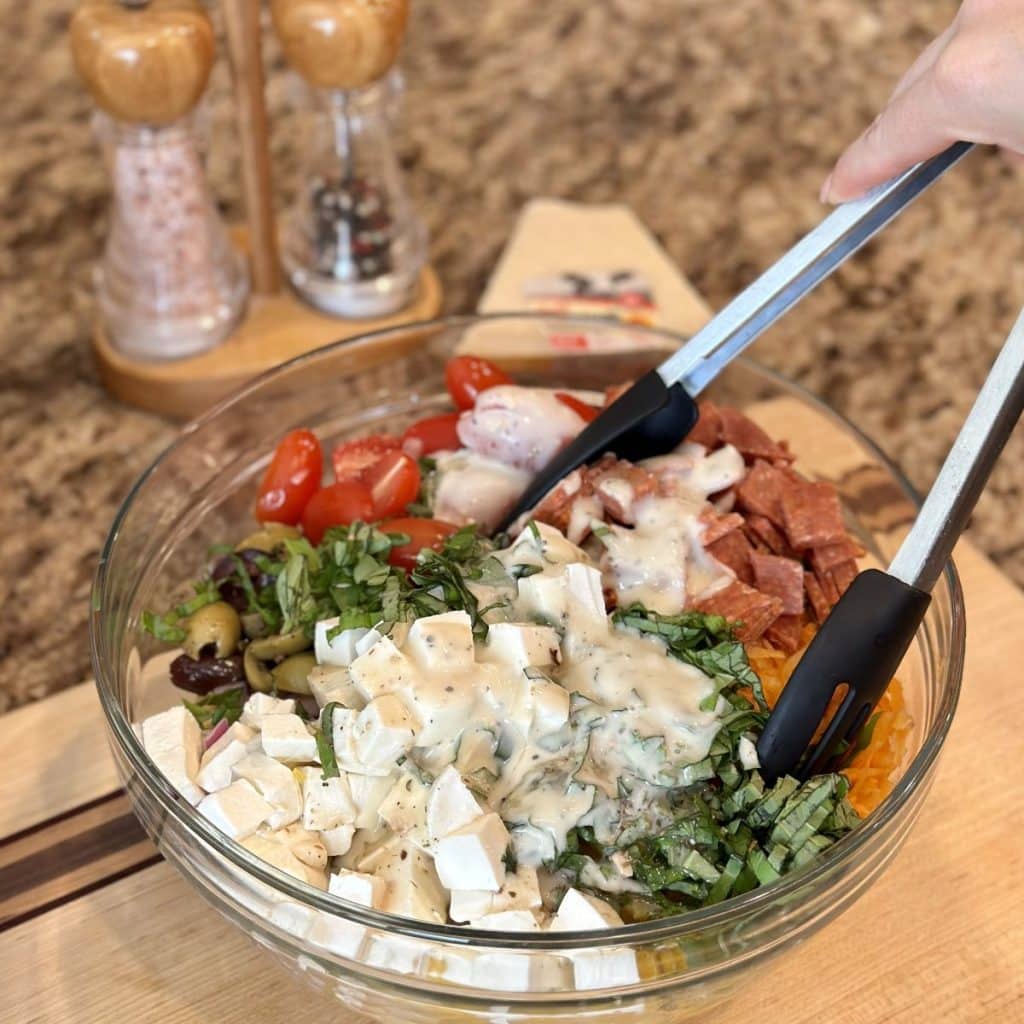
(351, 459)
(434, 434)
(394, 481)
(291, 478)
(423, 533)
(337, 505)
(467, 376)
(582, 409)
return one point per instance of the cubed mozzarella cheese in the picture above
(358, 887)
(413, 888)
(473, 856)
(521, 891)
(339, 649)
(520, 647)
(326, 803)
(286, 738)
(508, 921)
(441, 643)
(259, 705)
(451, 805)
(237, 810)
(276, 784)
(404, 809)
(174, 742)
(475, 752)
(338, 841)
(585, 611)
(215, 767)
(276, 851)
(549, 706)
(294, 918)
(384, 731)
(579, 911)
(343, 736)
(396, 953)
(383, 669)
(747, 752)
(330, 684)
(604, 968)
(541, 544)
(542, 595)
(335, 934)
(368, 792)
(370, 848)
(533, 846)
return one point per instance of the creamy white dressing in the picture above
(472, 488)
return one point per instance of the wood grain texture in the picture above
(245, 52)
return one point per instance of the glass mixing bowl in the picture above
(381, 967)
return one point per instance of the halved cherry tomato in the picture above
(394, 481)
(337, 505)
(585, 411)
(423, 533)
(467, 376)
(352, 458)
(434, 434)
(291, 478)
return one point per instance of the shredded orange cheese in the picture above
(872, 772)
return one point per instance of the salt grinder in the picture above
(170, 282)
(352, 245)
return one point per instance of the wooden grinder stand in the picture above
(277, 325)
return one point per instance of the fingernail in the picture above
(825, 189)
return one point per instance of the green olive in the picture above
(213, 627)
(267, 537)
(254, 626)
(280, 645)
(292, 675)
(256, 672)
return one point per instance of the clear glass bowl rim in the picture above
(729, 911)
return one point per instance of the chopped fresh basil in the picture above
(325, 742)
(209, 710)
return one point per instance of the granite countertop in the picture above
(715, 121)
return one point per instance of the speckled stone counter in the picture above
(715, 121)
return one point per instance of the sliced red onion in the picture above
(215, 733)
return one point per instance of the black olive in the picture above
(206, 674)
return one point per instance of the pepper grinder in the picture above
(170, 282)
(352, 245)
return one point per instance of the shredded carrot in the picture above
(873, 771)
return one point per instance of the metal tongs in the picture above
(659, 410)
(864, 639)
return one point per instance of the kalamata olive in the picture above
(206, 674)
(225, 574)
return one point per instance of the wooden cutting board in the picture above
(95, 927)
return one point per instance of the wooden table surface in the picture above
(95, 927)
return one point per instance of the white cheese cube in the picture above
(238, 810)
(174, 742)
(585, 611)
(335, 934)
(549, 706)
(579, 911)
(404, 809)
(340, 649)
(221, 756)
(747, 754)
(397, 953)
(337, 841)
(276, 851)
(357, 887)
(519, 972)
(343, 735)
(450, 806)
(276, 784)
(520, 647)
(384, 731)
(368, 793)
(286, 738)
(326, 803)
(521, 891)
(473, 856)
(260, 705)
(371, 847)
(543, 596)
(475, 752)
(508, 921)
(371, 636)
(383, 669)
(330, 684)
(294, 918)
(533, 846)
(441, 643)
(604, 968)
(412, 885)
(541, 544)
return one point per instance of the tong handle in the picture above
(861, 644)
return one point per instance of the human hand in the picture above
(966, 85)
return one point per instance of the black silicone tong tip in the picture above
(649, 419)
(861, 644)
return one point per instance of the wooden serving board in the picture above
(95, 927)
